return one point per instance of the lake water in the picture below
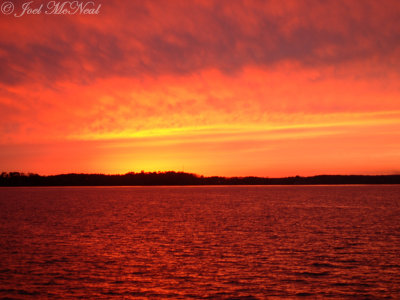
(221, 242)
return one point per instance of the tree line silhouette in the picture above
(182, 178)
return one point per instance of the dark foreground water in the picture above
(275, 242)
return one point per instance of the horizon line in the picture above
(190, 173)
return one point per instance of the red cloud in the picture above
(173, 37)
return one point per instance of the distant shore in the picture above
(182, 179)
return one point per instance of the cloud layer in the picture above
(134, 38)
(212, 72)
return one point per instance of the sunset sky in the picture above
(227, 87)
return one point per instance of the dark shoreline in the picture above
(184, 179)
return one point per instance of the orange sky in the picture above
(232, 88)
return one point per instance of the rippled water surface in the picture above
(243, 242)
